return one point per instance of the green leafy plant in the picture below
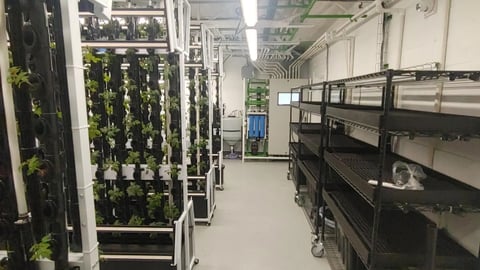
(202, 165)
(42, 249)
(134, 190)
(151, 162)
(202, 143)
(173, 140)
(174, 171)
(130, 52)
(32, 165)
(115, 195)
(36, 109)
(202, 101)
(167, 71)
(97, 189)
(133, 157)
(89, 57)
(113, 165)
(202, 79)
(18, 77)
(174, 103)
(93, 124)
(91, 85)
(148, 130)
(108, 98)
(106, 78)
(135, 220)
(149, 96)
(192, 149)
(192, 170)
(94, 156)
(99, 218)
(110, 131)
(147, 64)
(170, 211)
(154, 202)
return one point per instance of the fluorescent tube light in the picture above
(249, 11)
(252, 43)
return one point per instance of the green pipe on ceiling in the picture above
(306, 15)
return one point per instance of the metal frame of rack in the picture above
(367, 214)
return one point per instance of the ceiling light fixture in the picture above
(252, 42)
(249, 11)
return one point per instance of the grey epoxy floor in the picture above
(256, 224)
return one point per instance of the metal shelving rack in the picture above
(380, 235)
(307, 136)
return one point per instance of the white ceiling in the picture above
(281, 27)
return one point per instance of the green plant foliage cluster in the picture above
(97, 189)
(171, 211)
(154, 202)
(133, 157)
(32, 165)
(42, 249)
(149, 131)
(152, 163)
(135, 190)
(93, 124)
(18, 77)
(173, 139)
(115, 195)
(135, 220)
(112, 165)
(174, 171)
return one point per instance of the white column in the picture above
(78, 110)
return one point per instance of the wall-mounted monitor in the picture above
(284, 98)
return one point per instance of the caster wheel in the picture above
(208, 224)
(221, 188)
(317, 250)
(299, 200)
(196, 261)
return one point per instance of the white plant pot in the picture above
(45, 264)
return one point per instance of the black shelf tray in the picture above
(357, 168)
(311, 169)
(313, 142)
(398, 244)
(415, 122)
(137, 249)
(308, 106)
(313, 128)
(306, 153)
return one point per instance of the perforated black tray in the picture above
(402, 239)
(357, 168)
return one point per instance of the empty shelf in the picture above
(311, 169)
(398, 245)
(406, 121)
(306, 127)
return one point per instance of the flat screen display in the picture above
(284, 98)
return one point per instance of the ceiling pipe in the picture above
(368, 12)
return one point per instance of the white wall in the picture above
(278, 116)
(454, 45)
(233, 84)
